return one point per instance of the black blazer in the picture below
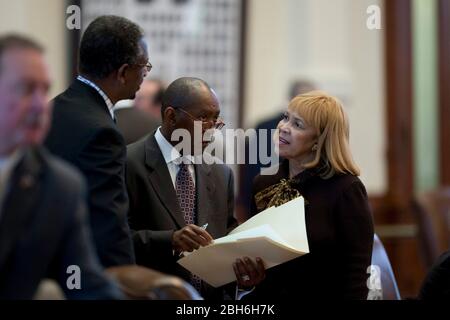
(44, 229)
(154, 210)
(340, 235)
(84, 134)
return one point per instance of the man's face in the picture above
(24, 107)
(137, 73)
(201, 118)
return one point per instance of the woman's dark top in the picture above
(340, 235)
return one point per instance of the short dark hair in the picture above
(108, 42)
(300, 87)
(182, 93)
(17, 41)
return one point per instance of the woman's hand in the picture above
(249, 273)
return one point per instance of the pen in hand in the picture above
(204, 228)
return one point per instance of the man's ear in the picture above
(121, 73)
(170, 116)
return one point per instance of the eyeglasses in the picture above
(147, 66)
(218, 123)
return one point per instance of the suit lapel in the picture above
(161, 181)
(20, 202)
(205, 188)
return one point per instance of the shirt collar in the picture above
(170, 154)
(101, 92)
(10, 160)
(123, 104)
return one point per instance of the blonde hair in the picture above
(326, 114)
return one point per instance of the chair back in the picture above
(382, 268)
(431, 211)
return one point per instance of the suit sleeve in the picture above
(355, 236)
(102, 162)
(152, 247)
(77, 256)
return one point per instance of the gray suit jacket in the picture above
(44, 229)
(134, 123)
(154, 211)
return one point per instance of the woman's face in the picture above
(296, 138)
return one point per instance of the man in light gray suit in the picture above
(176, 203)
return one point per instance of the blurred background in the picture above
(388, 61)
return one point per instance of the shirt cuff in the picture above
(240, 293)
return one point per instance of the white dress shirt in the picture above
(7, 165)
(173, 158)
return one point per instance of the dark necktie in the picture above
(185, 190)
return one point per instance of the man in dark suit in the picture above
(113, 63)
(44, 231)
(173, 194)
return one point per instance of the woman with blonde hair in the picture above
(313, 138)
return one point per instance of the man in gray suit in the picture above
(44, 231)
(176, 203)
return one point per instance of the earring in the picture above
(315, 147)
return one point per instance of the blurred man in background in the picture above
(44, 231)
(149, 98)
(142, 116)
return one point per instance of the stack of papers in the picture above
(277, 235)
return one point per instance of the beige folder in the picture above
(277, 235)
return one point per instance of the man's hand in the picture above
(190, 238)
(249, 273)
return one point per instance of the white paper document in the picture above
(277, 235)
